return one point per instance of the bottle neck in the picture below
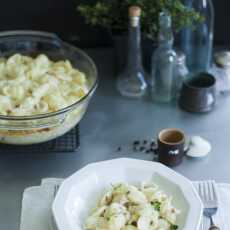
(134, 44)
(166, 44)
(200, 5)
(166, 39)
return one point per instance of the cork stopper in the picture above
(134, 11)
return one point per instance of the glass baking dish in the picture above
(24, 130)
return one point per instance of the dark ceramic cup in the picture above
(198, 94)
(171, 147)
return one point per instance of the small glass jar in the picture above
(221, 70)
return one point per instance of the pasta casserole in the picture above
(31, 86)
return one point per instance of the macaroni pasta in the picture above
(31, 86)
(127, 207)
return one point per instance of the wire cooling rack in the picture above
(67, 143)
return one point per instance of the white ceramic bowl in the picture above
(80, 192)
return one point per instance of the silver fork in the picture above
(208, 195)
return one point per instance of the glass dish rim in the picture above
(67, 108)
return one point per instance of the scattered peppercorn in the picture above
(118, 149)
(136, 142)
(144, 145)
(145, 142)
(154, 151)
(142, 148)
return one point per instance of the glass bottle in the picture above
(131, 82)
(163, 62)
(197, 40)
(181, 72)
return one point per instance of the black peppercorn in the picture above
(118, 149)
(142, 148)
(145, 142)
(136, 142)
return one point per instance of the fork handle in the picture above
(213, 226)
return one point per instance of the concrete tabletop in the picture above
(112, 121)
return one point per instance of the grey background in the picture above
(110, 122)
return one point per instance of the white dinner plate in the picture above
(79, 193)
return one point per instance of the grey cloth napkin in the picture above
(37, 202)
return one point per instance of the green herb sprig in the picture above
(112, 14)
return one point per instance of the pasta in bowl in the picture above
(128, 207)
(128, 194)
(45, 87)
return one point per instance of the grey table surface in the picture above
(112, 121)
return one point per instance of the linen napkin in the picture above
(37, 202)
(36, 206)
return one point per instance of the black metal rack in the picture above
(67, 143)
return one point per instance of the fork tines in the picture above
(208, 194)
